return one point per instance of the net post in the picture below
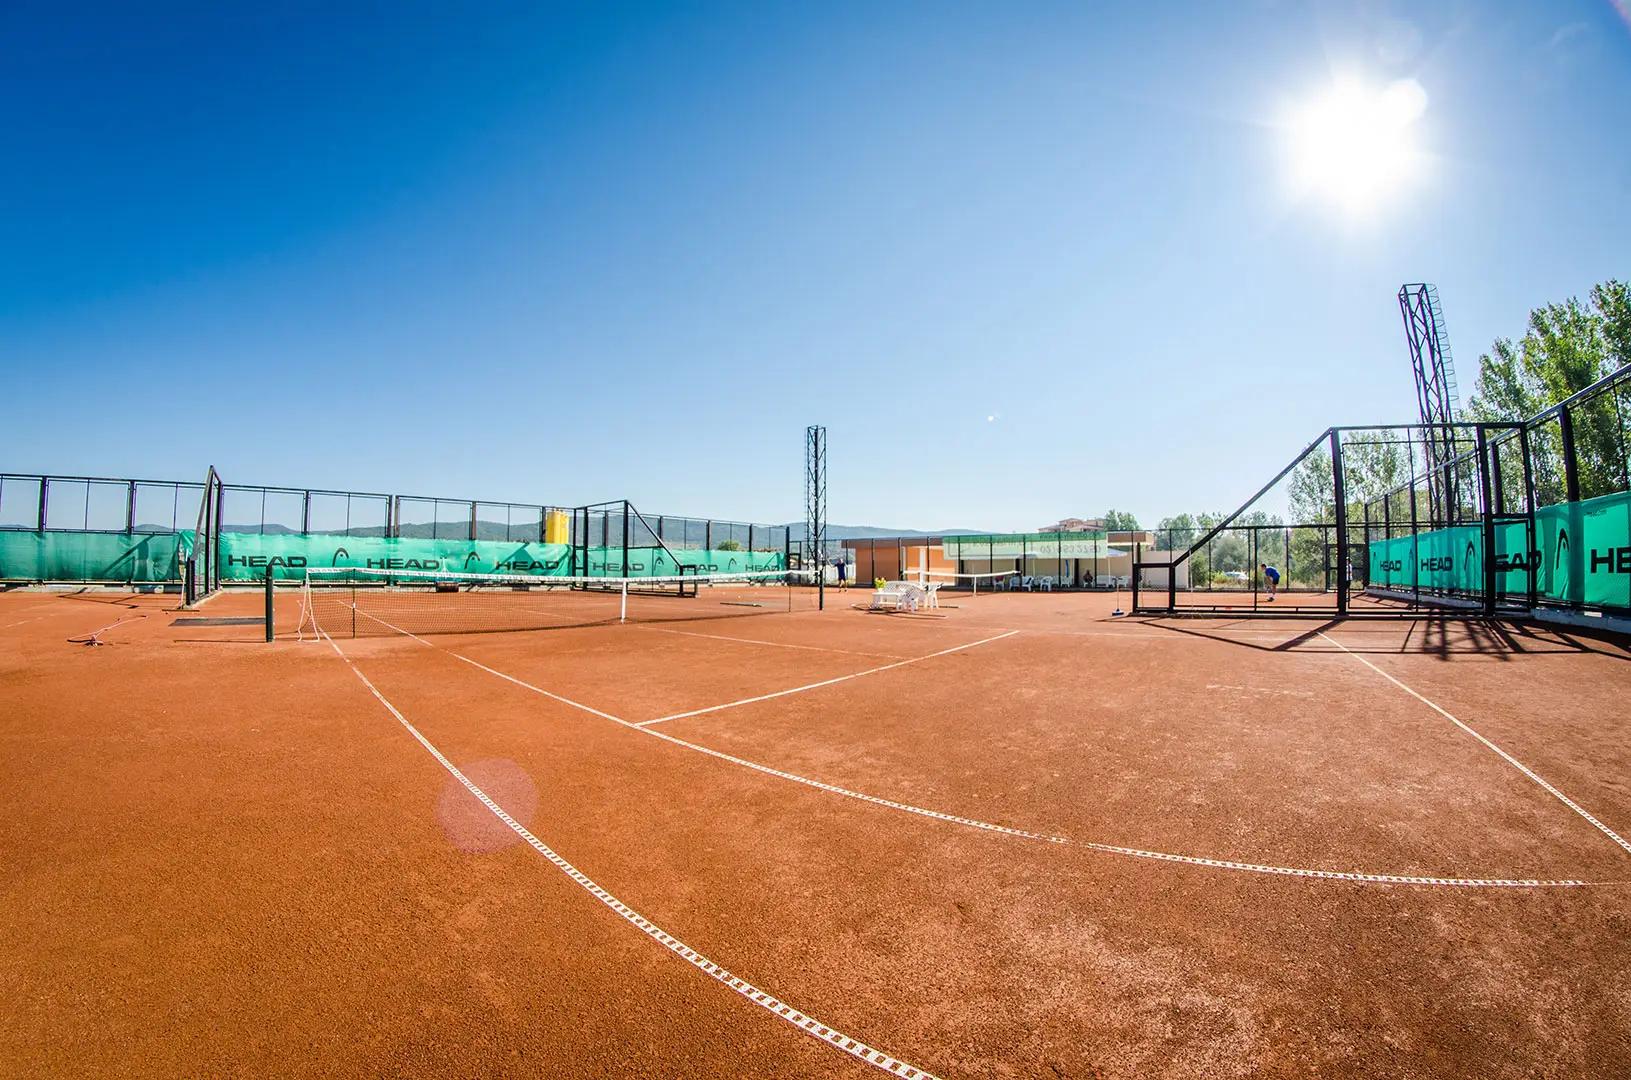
(189, 585)
(623, 605)
(271, 626)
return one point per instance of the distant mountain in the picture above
(496, 530)
(795, 531)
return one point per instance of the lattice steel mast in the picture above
(1437, 397)
(815, 505)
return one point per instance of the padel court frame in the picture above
(599, 525)
(201, 576)
(1469, 488)
(1494, 487)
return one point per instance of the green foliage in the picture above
(1177, 532)
(1565, 349)
(1312, 492)
(1120, 521)
(728, 545)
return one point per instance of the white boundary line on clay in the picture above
(780, 1009)
(1358, 877)
(823, 682)
(774, 644)
(1508, 758)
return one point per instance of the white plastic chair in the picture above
(1028, 583)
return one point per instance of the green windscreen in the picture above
(246, 557)
(1582, 555)
(61, 555)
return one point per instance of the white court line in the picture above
(1359, 877)
(22, 622)
(824, 682)
(44, 610)
(1173, 637)
(780, 1009)
(1508, 758)
(776, 644)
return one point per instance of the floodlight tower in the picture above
(1437, 397)
(815, 505)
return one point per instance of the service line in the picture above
(824, 682)
(780, 1009)
(774, 644)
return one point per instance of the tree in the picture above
(1120, 521)
(1176, 533)
(1565, 349)
(1313, 489)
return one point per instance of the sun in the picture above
(1356, 145)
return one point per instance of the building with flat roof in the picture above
(1091, 559)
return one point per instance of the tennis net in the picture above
(349, 602)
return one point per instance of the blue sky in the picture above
(1022, 261)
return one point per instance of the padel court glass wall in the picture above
(1475, 518)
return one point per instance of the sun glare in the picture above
(1355, 145)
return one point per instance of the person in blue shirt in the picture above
(1271, 578)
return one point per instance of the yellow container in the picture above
(557, 527)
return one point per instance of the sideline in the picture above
(1508, 758)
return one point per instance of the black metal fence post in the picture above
(1532, 555)
(1571, 464)
(1341, 492)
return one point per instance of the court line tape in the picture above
(1175, 638)
(1508, 758)
(46, 611)
(1359, 877)
(823, 682)
(95, 636)
(22, 622)
(42, 611)
(771, 1004)
(776, 644)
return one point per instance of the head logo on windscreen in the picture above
(339, 553)
(474, 556)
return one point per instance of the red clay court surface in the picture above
(1023, 839)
